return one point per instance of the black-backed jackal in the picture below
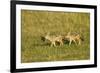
(73, 38)
(53, 39)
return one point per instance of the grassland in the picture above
(37, 23)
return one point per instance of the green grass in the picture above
(37, 23)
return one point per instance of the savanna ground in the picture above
(37, 23)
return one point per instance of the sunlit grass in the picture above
(37, 23)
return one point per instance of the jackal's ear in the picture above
(82, 38)
(42, 38)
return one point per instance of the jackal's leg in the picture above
(75, 41)
(61, 43)
(79, 42)
(53, 44)
(70, 42)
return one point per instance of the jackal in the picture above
(53, 39)
(74, 38)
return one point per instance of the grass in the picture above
(37, 23)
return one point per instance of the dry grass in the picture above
(37, 23)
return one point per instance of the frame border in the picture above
(13, 35)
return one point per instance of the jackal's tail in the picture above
(42, 38)
(82, 38)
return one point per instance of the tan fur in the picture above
(54, 39)
(73, 38)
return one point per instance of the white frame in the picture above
(17, 66)
(58, 63)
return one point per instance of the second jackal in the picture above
(74, 37)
